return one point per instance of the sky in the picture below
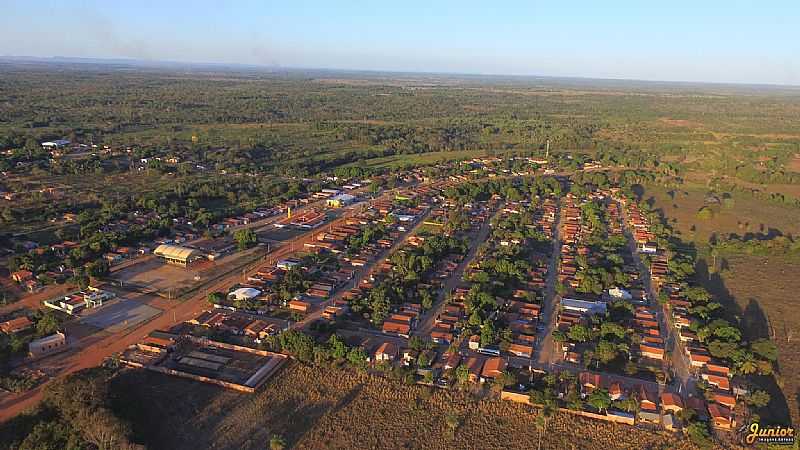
(699, 40)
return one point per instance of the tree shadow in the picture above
(797, 401)
(755, 323)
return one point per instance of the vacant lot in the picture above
(328, 408)
(119, 314)
(152, 273)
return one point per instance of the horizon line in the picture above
(100, 60)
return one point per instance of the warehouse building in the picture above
(173, 254)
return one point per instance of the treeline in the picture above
(77, 412)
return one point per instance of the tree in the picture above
(416, 343)
(462, 374)
(605, 351)
(357, 356)
(758, 399)
(599, 399)
(47, 324)
(504, 379)
(216, 298)
(579, 333)
(379, 304)
(747, 365)
(612, 328)
(698, 434)
(426, 299)
(423, 360)
(245, 238)
(705, 213)
(277, 442)
(338, 348)
(765, 349)
(487, 333)
(453, 421)
(628, 404)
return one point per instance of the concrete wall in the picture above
(225, 384)
(525, 399)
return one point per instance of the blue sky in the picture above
(700, 40)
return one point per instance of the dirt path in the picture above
(426, 324)
(545, 340)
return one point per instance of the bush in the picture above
(705, 213)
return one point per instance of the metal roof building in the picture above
(174, 254)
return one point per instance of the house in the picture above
(259, 329)
(698, 405)
(719, 382)
(22, 275)
(493, 368)
(648, 248)
(718, 368)
(299, 306)
(387, 352)
(398, 328)
(721, 417)
(474, 366)
(521, 350)
(671, 402)
(698, 359)
(441, 337)
(615, 391)
(341, 200)
(47, 345)
(16, 325)
(620, 294)
(583, 306)
(724, 399)
(647, 400)
(589, 382)
(651, 351)
(452, 361)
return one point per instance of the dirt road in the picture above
(105, 345)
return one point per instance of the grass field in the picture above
(320, 408)
(746, 214)
(399, 161)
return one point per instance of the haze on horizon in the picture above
(712, 41)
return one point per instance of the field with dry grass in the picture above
(743, 214)
(323, 408)
(763, 291)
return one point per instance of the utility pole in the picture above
(547, 150)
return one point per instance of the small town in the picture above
(509, 277)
